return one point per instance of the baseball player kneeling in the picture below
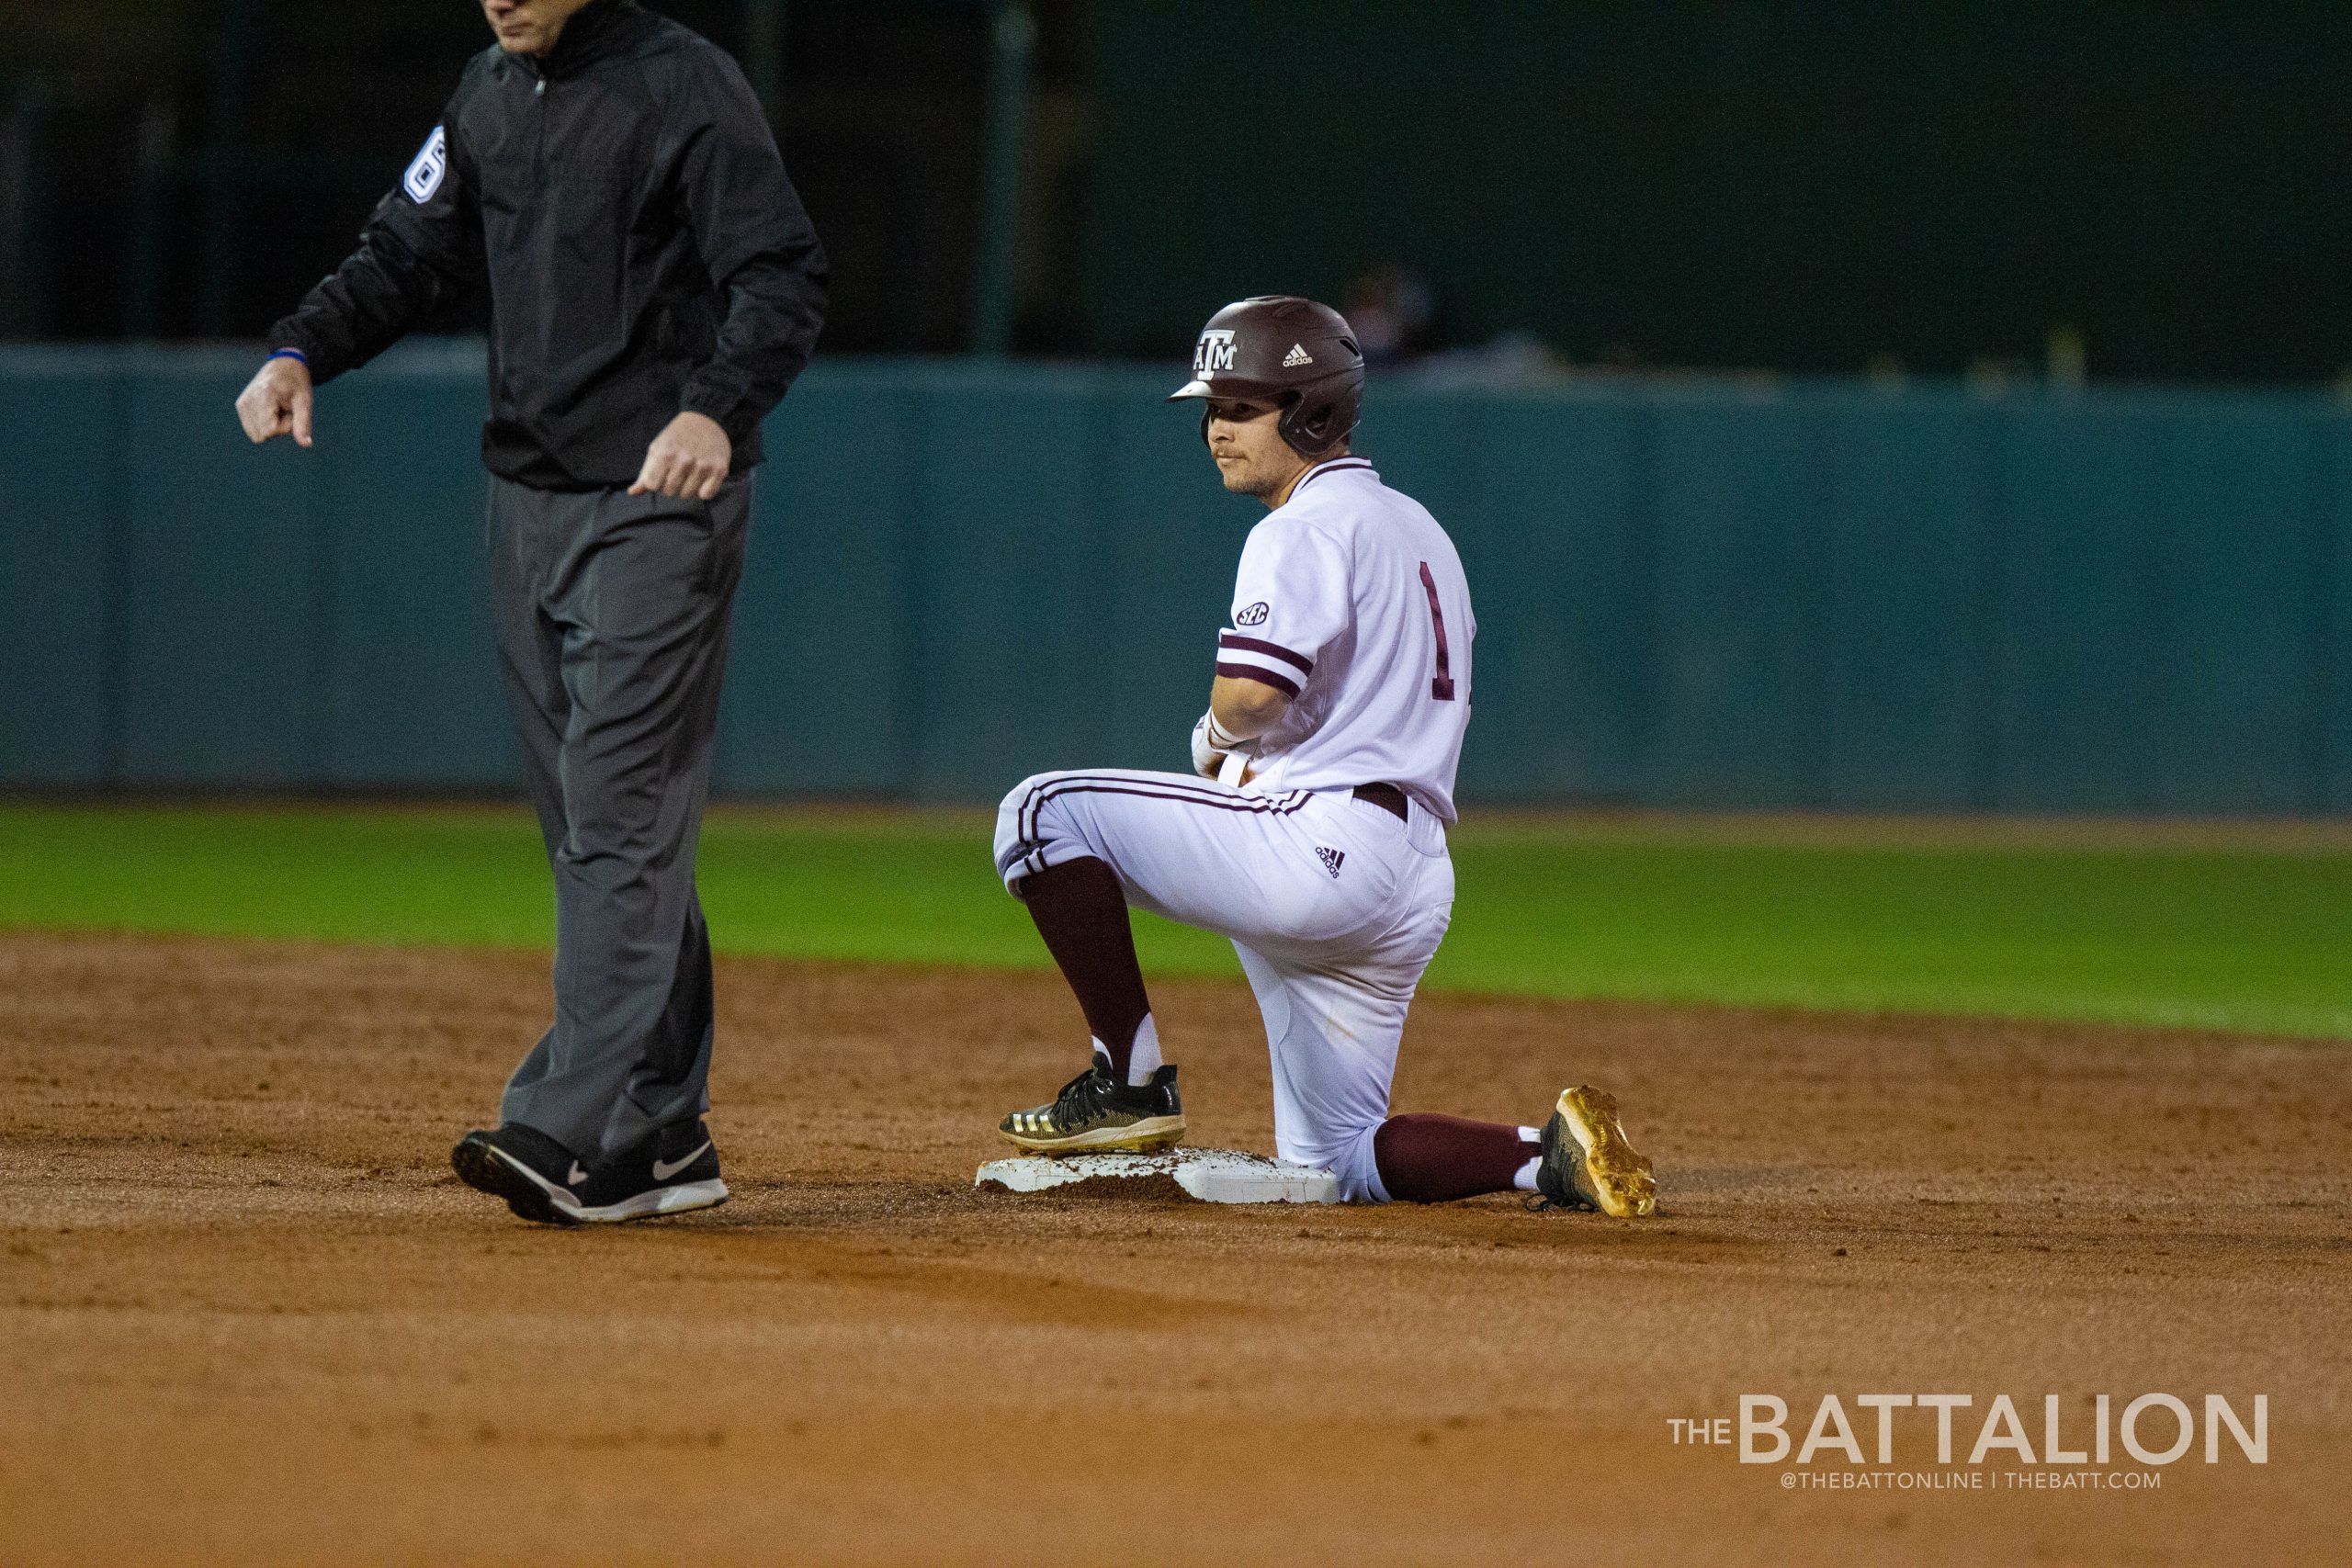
(1312, 831)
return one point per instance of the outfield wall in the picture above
(1689, 594)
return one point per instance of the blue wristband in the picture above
(289, 354)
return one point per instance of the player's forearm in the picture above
(1244, 709)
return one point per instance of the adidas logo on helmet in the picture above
(1296, 357)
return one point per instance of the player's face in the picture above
(1251, 456)
(528, 27)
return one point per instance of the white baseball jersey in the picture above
(1351, 602)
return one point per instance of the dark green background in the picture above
(1782, 184)
(1732, 182)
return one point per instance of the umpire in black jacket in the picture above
(654, 287)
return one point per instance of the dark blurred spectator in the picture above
(1394, 312)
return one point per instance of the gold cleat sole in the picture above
(1148, 1136)
(1620, 1175)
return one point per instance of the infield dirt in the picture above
(250, 1316)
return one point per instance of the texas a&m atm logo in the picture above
(1214, 354)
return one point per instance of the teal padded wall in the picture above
(1690, 593)
(222, 638)
(61, 493)
(403, 690)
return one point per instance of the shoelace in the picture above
(1079, 1098)
(1540, 1201)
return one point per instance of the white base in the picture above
(1214, 1176)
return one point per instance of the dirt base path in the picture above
(246, 1315)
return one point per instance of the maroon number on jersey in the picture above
(1441, 686)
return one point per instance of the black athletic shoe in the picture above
(1588, 1164)
(525, 1167)
(540, 1180)
(1096, 1112)
(670, 1173)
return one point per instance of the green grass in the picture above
(2247, 929)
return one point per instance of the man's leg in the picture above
(1080, 848)
(1081, 912)
(1428, 1158)
(526, 529)
(523, 527)
(1333, 1032)
(1419, 1157)
(642, 588)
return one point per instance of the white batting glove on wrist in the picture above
(1210, 743)
(1205, 756)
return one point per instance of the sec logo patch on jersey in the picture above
(1255, 615)
(424, 172)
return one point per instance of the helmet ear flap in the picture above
(1205, 427)
(1317, 422)
(1309, 427)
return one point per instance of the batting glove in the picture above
(1210, 743)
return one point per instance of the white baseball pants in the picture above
(1334, 905)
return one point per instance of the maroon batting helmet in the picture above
(1292, 354)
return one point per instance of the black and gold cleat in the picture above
(1586, 1162)
(1096, 1113)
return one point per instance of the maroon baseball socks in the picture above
(1081, 912)
(1428, 1158)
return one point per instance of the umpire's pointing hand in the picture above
(689, 459)
(276, 401)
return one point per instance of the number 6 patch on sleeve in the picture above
(424, 172)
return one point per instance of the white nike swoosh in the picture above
(664, 1170)
(577, 1176)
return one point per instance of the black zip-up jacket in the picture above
(623, 201)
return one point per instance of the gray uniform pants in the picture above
(612, 612)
